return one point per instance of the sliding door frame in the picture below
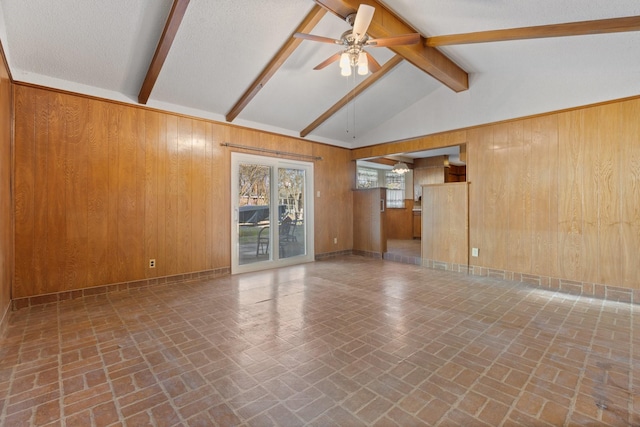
(274, 259)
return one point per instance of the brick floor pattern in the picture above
(352, 341)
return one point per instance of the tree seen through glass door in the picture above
(291, 186)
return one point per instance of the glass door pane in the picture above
(291, 196)
(254, 213)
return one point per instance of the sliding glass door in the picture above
(272, 217)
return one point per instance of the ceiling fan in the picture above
(354, 56)
(427, 56)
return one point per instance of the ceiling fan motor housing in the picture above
(348, 39)
(352, 46)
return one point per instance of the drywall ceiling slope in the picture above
(103, 45)
(531, 85)
(103, 48)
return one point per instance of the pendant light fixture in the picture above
(400, 168)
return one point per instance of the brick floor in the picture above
(351, 341)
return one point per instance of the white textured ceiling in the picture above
(104, 48)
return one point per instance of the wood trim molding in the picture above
(173, 113)
(31, 301)
(439, 139)
(162, 50)
(388, 66)
(276, 62)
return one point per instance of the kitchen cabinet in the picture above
(417, 224)
(369, 221)
(400, 222)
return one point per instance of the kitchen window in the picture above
(367, 177)
(394, 183)
(395, 189)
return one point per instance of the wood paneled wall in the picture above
(102, 187)
(559, 195)
(6, 202)
(335, 177)
(445, 223)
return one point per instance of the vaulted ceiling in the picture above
(236, 60)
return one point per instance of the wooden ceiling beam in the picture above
(388, 66)
(386, 24)
(162, 50)
(276, 62)
(601, 26)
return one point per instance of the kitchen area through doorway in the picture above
(403, 210)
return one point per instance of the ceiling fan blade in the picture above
(329, 60)
(601, 26)
(362, 21)
(373, 64)
(394, 40)
(316, 38)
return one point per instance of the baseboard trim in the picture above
(368, 254)
(327, 255)
(19, 303)
(606, 292)
(587, 289)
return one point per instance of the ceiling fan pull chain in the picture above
(353, 101)
(346, 117)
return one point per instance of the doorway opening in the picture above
(403, 215)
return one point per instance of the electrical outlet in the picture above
(474, 252)
(318, 193)
(335, 240)
(152, 263)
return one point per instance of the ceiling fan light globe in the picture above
(345, 61)
(363, 64)
(345, 71)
